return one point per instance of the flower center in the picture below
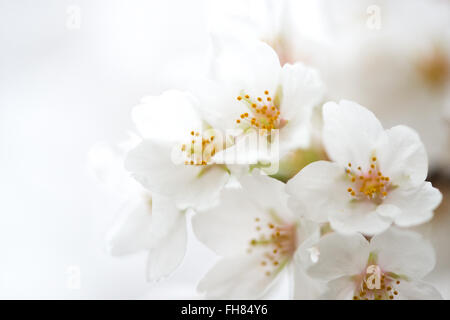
(200, 150)
(262, 113)
(278, 240)
(368, 184)
(375, 284)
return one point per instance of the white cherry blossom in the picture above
(258, 238)
(168, 161)
(248, 90)
(388, 267)
(375, 177)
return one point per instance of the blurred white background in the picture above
(70, 73)
(64, 87)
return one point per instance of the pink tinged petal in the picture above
(350, 133)
(168, 117)
(416, 204)
(237, 277)
(402, 156)
(340, 255)
(169, 238)
(342, 288)
(417, 290)
(132, 233)
(403, 252)
(364, 217)
(318, 190)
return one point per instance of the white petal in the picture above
(306, 287)
(302, 89)
(417, 290)
(296, 134)
(350, 133)
(169, 117)
(252, 66)
(266, 193)
(319, 188)
(402, 156)
(168, 253)
(229, 227)
(218, 103)
(342, 288)
(165, 215)
(132, 233)
(364, 217)
(169, 238)
(340, 255)
(403, 252)
(416, 203)
(106, 163)
(203, 191)
(151, 164)
(237, 277)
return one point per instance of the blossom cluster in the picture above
(335, 224)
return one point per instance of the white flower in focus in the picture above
(171, 160)
(249, 91)
(258, 238)
(388, 267)
(376, 177)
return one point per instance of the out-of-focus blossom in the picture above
(278, 23)
(259, 238)
(376, 176)
(394, 58)
(156, 226)
(105, 162)
(145, 223)
(389, 266)
(247, 91)
(172, 132)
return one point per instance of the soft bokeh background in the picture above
(70, 72)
